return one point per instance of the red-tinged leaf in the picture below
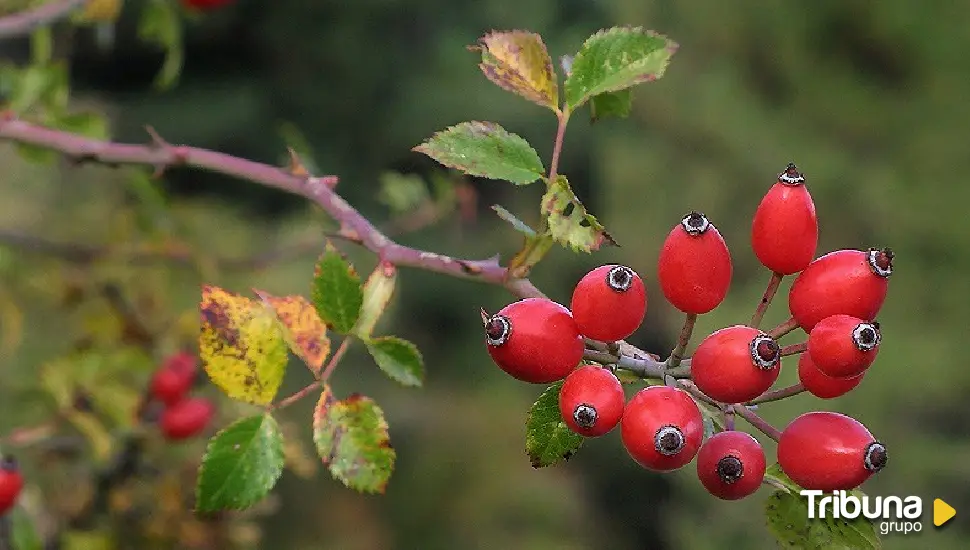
(305, 332)
(352, 440)
(517, 61)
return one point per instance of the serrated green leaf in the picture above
(485, 149)
(787, 517)
(548, 440)
(615, 104)
(569, 222)
(399, 359)
(517, 61)
(352, 440)
(615, 59)
(241, 345)
(161, 25)
(241, 465)
(516, 223)
(378, 291)
(336, 291)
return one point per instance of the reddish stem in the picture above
(784, 328)
(760, 423)
(794, 349)
(766, 298)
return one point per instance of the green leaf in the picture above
(533, 250)
(485, 149)
(241, 465)
(352, 440)
(402, 192)
(518, 224)
(778, 479)
(336, 291)
(399, 359)
(378, 291)
(787, 515)
(160, 25)
(36, 154)
(242, 346)
(23, 532)
(615, 59)
(615, 104)
(517, 61)
(90, 124)
(30, 87)
(548, 440)
(569, 222)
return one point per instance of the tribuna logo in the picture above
(840, 504)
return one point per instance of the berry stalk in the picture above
(778, 395)
(766, 299)
(760, 423)
(677, 355)
(784, 328)
(793, 349)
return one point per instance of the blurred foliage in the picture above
(867, 98)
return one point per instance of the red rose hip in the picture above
(829, 451)
(662, 428)
(11, 484)
(731, 465)
(694, 268)
(186, 418)
(591, 401)
(736, 364)
(174, 379)
(850, 282)
(609, 303)
(784, 232)
(844, 346)
(822, 385)
(205, 5)
(534, 340)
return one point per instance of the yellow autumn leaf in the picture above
(518, 61)
(102, 10)
(305, 332)
(241, 345)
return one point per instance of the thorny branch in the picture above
(22, 23)
(354, 227)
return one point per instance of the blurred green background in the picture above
(869, 99)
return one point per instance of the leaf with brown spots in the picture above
(241, 345)
(303, 329)
(517, 61)
(569, 222)
(352, 440)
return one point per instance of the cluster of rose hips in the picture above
(834, 299)
(182, 416)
